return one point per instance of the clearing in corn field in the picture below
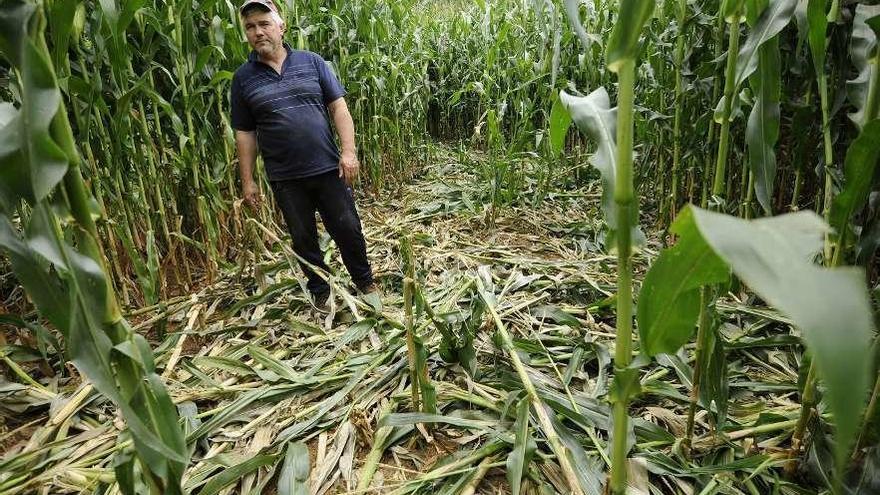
(445, 247)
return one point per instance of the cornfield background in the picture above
(624, 247)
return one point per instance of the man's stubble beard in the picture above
(264, 50)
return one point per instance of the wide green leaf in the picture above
(560, 121)
(31, 164)
(817, 25)
(769, 24)
(669, 301)
(61, 24)
(294, 478)
(762, 128)
(624, 41)
(129, 9)
(46, 290)
(774, 257)
(14, 17)
(830, 306)
(595, 118)
(859, 169)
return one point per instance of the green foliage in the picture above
(67, 282)
(145, 86)
(524, 448)
(860, 167)
(863, 54)
(623, 43)
(595, 118)
(771, 22)
(232, 473)
(294, 477)
(762, 129)
(773, 257)
(817, 26)
(669, 300)
(560, 121)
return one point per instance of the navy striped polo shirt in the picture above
(289, 113)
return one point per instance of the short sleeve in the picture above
(242, 119)
(330, 87)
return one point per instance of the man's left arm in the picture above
(349, 166)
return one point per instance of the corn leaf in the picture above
(715, 386)
(560, 120)
(524, 448)
(294, 478)
(859, 169)
(31, 164)
(231, 474)
(572, 12)
(773, 257)
(669, 301)
(47, 291)
(596, 119)
(769, 24)
(407, 419)
(762, 128)
(60, 16)
(862, 45)
(817, 25)
(624, 41)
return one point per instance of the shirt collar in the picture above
(254, 57)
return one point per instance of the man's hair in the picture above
(256, 7)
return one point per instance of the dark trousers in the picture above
(328, 195)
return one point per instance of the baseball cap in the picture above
(268, 4)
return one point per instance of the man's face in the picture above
(264, 34)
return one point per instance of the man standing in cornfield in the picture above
(282, 103)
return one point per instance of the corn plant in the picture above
(48, 232)
(756, 54)
(614, 159)
(424, 396)
(817, 299)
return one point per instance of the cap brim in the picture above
(249, 5)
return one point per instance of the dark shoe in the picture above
(321, 299)
(368, 288)
(370, 294)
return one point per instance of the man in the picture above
(282, 100)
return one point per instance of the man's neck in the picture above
(276, 58)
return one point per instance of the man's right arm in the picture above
(246, 145)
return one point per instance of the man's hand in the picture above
(251, 194)
(349, 167)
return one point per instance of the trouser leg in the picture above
(298, 208)
(337, 208)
